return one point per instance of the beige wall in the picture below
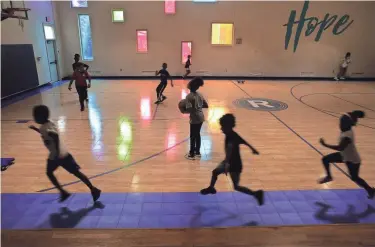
(259, 24)
(32, 33)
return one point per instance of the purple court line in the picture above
(121, 167)
(294, 132)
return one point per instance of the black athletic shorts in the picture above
(68, 163)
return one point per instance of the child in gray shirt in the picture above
(195, 102)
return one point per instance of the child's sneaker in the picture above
(190, 156)
(64, 196)
(95, 192)
(209, 190)
(371, 194)
(259, 195)
(324, 180)
(198, 155)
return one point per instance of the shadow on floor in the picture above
(349, 217)
(69, 219)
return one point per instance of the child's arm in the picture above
(86, 66)
(34, 128)
(88, 77)
(71, 81)
(171, 79)
(205, 104)
(342, 145)
(157, 73)
(247, 144)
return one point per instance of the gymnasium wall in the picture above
(260, 25)
(31, 33)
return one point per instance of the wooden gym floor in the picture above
(122, 128)
(134, 151)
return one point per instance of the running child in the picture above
(347, 152)
(195, 102)
(164, 75)
(58, 155)
(187, 67)
(232, 162)
(77, 64)
(80, 76)
(344, 67)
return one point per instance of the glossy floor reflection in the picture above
(122, 128)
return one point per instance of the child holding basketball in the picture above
(164, 75)
(80, 76)
(194, 105)
(58, 155)
(344, 67)
(232, 162)
(187, 67)
(347, 152)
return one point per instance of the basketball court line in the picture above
(121, 167)
(364, 107)
(294, 132)
(318, 109)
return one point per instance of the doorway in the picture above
(49, 34)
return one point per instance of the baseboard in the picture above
(13, 98)
(276, 78)
(25, 91)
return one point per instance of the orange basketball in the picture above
(182, 106)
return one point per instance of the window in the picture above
(170, 7)
(118, 15)
(79, 3)
(142, 41)
(85, 37)
(222, 34)
(185, 50)
(49, 32)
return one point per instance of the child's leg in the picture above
(192, 139)
(86, 95)
(52, 165)
(343, 73)
(220, 169)
(69, 164)
(354, 175)
(235, 176)
(198, 138)
(81, 95)
(158, 89)
(162, 90)
(330, 158)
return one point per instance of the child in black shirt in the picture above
(187, 67)
(232, 162)
(164, 75)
